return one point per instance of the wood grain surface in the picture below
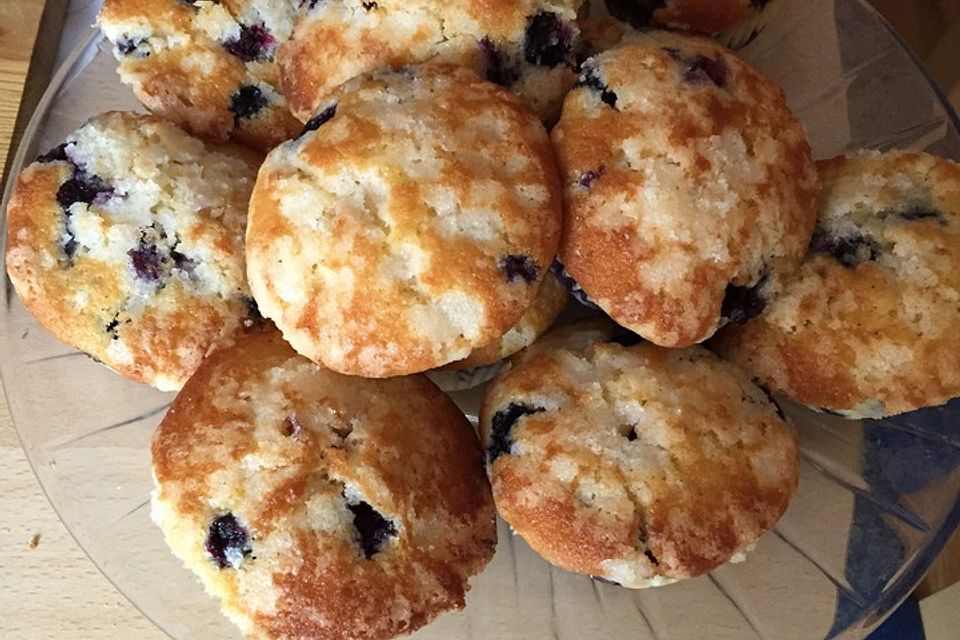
(19, 21)
(51, 590)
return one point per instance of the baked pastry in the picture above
(867, 326)
(528, 46)
(412, 223)
(688, 183)
(315, 505)
(207, 66)
(126, 242)
(636, 464)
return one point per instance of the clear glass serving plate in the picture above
(877, 499)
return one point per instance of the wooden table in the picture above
(51, 590)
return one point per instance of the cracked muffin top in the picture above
(411, 224)
(688, 183)
(867, 326)
(637, 464)
(316, 505)
(126, 242)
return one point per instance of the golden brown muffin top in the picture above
(319, 505)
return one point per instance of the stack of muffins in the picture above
(414, 215)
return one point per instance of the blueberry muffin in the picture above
(639, 465)
(207, 66)
(412, 223)
(316, 505)
(688, 183)
(528, 46)
(126, 242)
(705, 16)
(868, 326)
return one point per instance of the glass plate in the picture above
(877, 499)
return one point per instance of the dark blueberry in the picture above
(920, 213)
(228, 541)
(605, 581)
(82, 188)
(638, 13)
(254, 43)
(632, 434)
(702, 69)
(292, 427)
(652, 558)
(112, 326)
(850, 250)
(501, 425)
(372, 528)
(369, 5)
(70, 246)
(309, 4)
(131, 46)
(147, 261)
(741, 303)
(759, 4)
(587, 179)
(590, 77)
(624, 337)
(497, 65)
(519, 267)
(319, 120)
(548, 41)
(247, 102)
(126, 47)
(55, 154)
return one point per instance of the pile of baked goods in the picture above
(437, 176)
